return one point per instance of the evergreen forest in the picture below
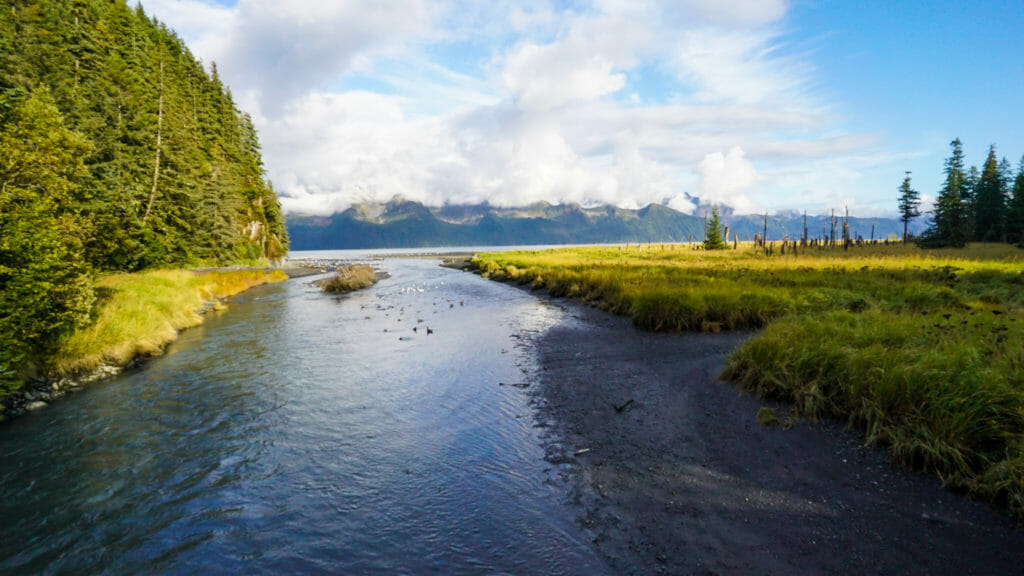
(985, 205)
(119, 151)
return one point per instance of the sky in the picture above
(762, 105)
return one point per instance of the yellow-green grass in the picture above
(140, 313)
(923, 350)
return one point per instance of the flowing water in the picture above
(300, 432)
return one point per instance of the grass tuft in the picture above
(923, 350)
(766, 417)
(350, 278)
(138, 314)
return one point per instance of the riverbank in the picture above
(137, 315)
(674, 474)
(919, 349)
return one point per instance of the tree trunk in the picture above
(159, 141)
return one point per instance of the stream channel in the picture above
(302, 433)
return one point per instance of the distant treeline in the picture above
(118, 151)
(984, 205)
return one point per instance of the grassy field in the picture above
(922, 350)
(140, 313)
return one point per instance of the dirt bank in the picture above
(672, 473)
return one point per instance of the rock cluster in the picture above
(38, 394)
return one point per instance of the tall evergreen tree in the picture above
(1006, 180)
(45, 283)
(990, 201)
(949, 216)
(969, 195)
(1015, 212)
(174, 175)
(909, 203)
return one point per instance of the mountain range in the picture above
(402, 223)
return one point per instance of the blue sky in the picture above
(758, 104)
(924, 73)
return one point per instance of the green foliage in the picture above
(714, 232)
(908, 204)
(174, 171)
(766, 417)
(990, 201)
(1015, 214)
(950, 218)
(980, 205)
(103, 109)
(45, 283)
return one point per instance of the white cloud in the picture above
(726, 178)
(518, 101)
(286, 49)
(738, 66)
(584, 63)
(736, 12)
(191, 19)
(282, 50)
(356, 145)
(551, 76)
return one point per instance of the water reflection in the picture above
(304, 433)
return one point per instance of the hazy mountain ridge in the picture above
(407, 224)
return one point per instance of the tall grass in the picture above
(350, 278)
(139, 314)
(922, 350)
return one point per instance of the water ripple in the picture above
(305, 433)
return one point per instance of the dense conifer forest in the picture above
(119, 151)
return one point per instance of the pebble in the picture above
(37, 405)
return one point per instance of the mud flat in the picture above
(672, 472)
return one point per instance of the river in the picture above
(390, 431)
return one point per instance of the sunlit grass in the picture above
(139, 314)
(923, 350)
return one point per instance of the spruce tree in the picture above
(1015, 212)
(909, 202)
(132, 88)
(989, 201)
(949, 216)
(1006, 182)
(713, 231)
(969, 195)
(45, 283)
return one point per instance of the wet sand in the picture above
(672, 473)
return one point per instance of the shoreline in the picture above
(672, 472)
(39, 393)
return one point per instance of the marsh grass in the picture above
(140, 313)
(922, 350)
(350, 278)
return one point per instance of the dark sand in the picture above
(684, 480)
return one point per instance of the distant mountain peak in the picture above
(407, 223)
